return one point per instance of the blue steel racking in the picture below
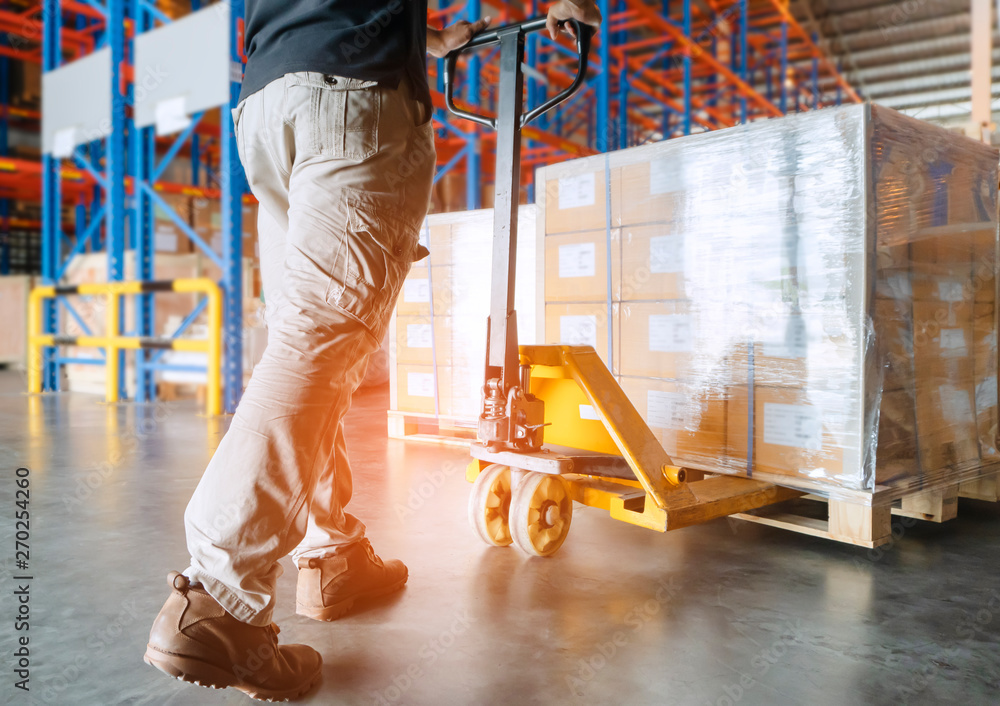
(124, 166)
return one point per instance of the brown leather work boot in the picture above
(194, 639)
(328, 588)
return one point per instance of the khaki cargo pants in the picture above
(343, 170)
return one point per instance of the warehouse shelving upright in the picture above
(125, 167)
(147, 170)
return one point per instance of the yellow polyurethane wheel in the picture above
(489, 505)
(540, 514)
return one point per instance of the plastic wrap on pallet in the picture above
(438, 337)
(810, 299)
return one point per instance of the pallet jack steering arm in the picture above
(506, 383)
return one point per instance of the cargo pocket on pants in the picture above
(379, 247)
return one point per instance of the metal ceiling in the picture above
(910, 55)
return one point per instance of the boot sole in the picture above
(195, 671)
(330, 613)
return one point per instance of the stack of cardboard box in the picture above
(437, 339)
(810, 299)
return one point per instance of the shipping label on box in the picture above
(688, 420)
(651, 191)
(652, 263)
(576, 266)
(578, 330)
(577, 260)
(577, 191)
(666, 254)
(415, 389)
(579, 325)
(420, 384)
(665, 410)
(670, 333)
(419, 336)
(578, 201)
(797, 432)
(787, 338)
(658, 340)
(797, 425)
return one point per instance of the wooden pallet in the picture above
(985, 488)
(867, 522)
(846, 521)
(430, 428)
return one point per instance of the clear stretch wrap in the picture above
(438, 334)
(810, 299)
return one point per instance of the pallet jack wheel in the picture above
(540, 514)
(489, 505)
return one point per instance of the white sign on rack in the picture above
(76, 103)
(172, 84)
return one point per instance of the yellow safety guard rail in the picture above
(113, 291)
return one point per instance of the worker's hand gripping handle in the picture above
(583, 37)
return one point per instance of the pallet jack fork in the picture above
(556, 427)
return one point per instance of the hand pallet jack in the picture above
(555, 426)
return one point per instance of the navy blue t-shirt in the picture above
(370, 41)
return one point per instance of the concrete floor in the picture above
(722, 614)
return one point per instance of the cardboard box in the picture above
(988, 419)
(437, 239)
(450, 339)
(652, 262)
(791, 349)
(580, 325)
(896, 453)
(984, 264)
(659, 339)
(206, 219)
(415, 389)
(894, 337)
(576, 266)
(577, 199)
(168, 237)
(689, 421)
(14, 292)
(943, 341)
(948, 282)
(984, 331)
(947, 432)
(421, 281)
(942, 245)
(799, 433)
(651, 191)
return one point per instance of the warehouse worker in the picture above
(334, 133)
